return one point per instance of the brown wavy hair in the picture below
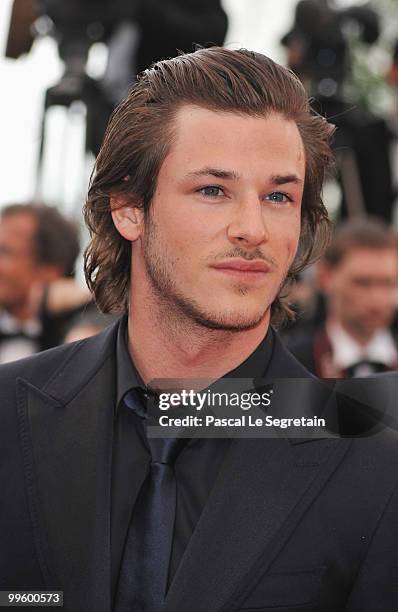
(141, 131)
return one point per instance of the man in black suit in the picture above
(358, 276)
(208, 179)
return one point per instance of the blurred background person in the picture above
(358, 277)
(87, 323)
(38, 295)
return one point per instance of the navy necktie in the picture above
(144, 570)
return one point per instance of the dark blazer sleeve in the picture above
(19, 566)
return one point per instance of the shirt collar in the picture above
(8, 324)
(128, 378)
(347, 352)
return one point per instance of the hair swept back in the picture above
(140, 133)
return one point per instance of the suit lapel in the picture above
(261, 493)
(66, 434)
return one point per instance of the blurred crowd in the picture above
(41, 304)
(346, 304)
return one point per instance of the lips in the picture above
(243, 266)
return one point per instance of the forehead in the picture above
(368, 261)
(18, 225)
(243, 143)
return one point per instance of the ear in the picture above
(128, 219)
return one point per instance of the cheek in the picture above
(353, 299)
(16, 274)
(390, 299)
(338, 287)
(190, 238)
(180, 230)
(293, 246)
(289, 244)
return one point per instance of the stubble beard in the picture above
(175, 308)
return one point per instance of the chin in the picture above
(231, 321)
(220, 315)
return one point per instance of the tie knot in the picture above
(165, 450)
(137, 399)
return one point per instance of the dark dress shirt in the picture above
(196, 467)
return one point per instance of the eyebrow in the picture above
(282, 179)
(277, 179)
(217, 172)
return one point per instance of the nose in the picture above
(248, 226)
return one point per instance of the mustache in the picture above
(240, 253)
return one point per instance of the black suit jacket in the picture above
(290, 525)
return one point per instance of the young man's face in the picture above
(224, 223)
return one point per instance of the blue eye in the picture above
(211, 191)
(278, 197)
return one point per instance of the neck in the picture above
(166, 346)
